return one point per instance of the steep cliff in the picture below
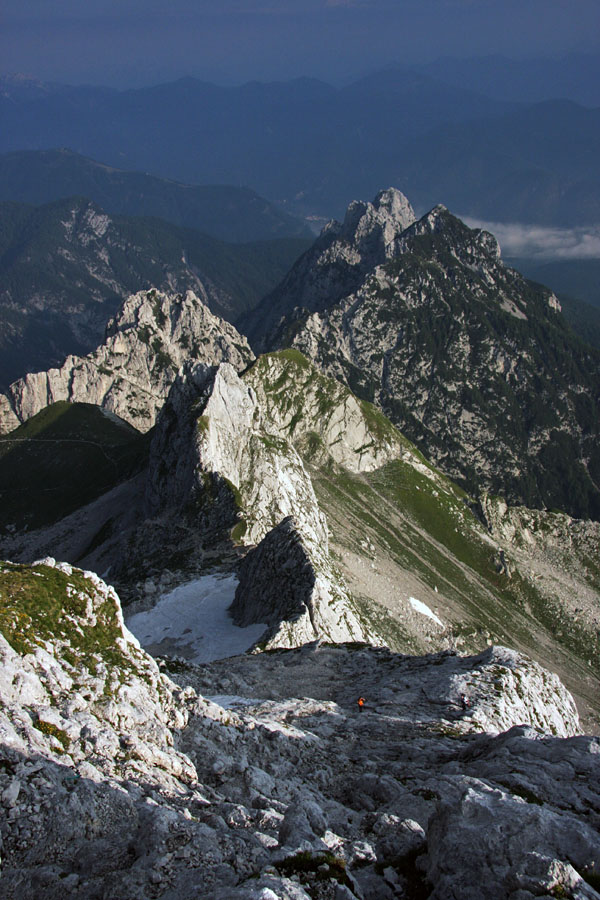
(217, 459)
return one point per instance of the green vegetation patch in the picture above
(40, 604)
(54, 731)
(62, 458)
(291, 355)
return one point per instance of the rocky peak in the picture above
(372, 228)
(131, 373)
(320, 416)
(470, 360)
(452, 236)
(337, 262)
(213, 427)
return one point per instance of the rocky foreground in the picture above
(258, 776)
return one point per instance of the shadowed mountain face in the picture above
(227, 212)
(313, 148)
(473, 362)
(64, 457)
(66, 267)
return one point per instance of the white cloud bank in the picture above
(540, 242)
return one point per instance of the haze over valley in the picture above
(300, 450)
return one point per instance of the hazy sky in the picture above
(135, 42)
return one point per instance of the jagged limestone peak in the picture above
(337, 262)
(131, 373)
(288, 583)
(372, 228)
(470, 360)
(219, 462)
(452, 235)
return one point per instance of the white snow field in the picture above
(192, 622)
(422, 608)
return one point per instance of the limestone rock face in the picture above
(337, 262)
(152, 336)
(217, 454)
(320, 415)
(91, 694)
(118, 781)
(463, 848)
(472, 362)
(288, 583)
(213, 432)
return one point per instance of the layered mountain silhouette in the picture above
(521, 162)
(66, 267)
(226, 212)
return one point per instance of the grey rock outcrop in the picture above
(472, 362)
(131, 373)
(118, 781)
(556, 552)
(82, 691)
(214, 428)
(287, 582)
(217, 455)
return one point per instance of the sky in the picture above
(130, 43)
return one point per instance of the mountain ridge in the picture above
(443, 333)
(403, 131)
(67, 266)
(226, 212)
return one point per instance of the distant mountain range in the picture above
(574, 77)
(222, 211)
(66, 267)
(313, 147)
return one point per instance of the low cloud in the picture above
(540, 242)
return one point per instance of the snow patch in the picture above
(232, 701)
(193, 622)
(422, 608)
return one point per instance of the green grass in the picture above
(40, 604)
(62, 458)
(426, 527)
(54, 731)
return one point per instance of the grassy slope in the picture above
(62, 458)
(424, 530)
